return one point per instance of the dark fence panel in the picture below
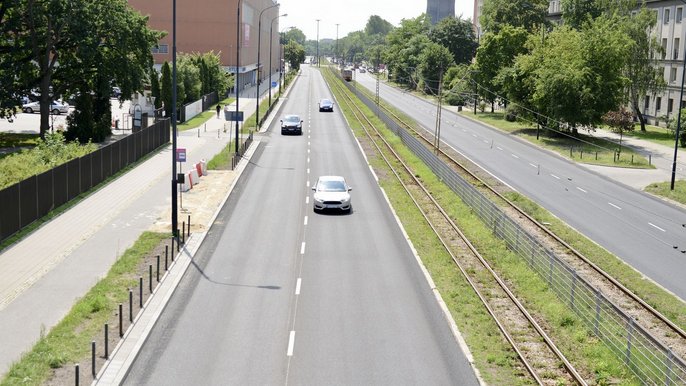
(106, 160)
(85, 170)
(61, 185)
(96, 168)
(9, 207)
(27, 201)
(45, 188)
(73, 180)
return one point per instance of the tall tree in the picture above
(377, 26)
(403, 47)
(435, 60)
(166, 89)
(457, 35)
(294, 54)
(527, 14)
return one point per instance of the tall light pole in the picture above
(335, 55)
(271, 39)
(678, 120)
(175, 186)
(259, 41)
(238, 61)
(318, 42)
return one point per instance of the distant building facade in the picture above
(211, 26)
(440, 9)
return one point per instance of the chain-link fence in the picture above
(650, 360)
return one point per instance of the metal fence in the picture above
(648, 359)
(30, 199)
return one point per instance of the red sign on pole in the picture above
(180, 155)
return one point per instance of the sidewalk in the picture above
(47, 271)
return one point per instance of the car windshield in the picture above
(326, 102)
(331, 186)
(292, 118)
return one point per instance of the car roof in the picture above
(331, 178)
(291, 116)
(326, 100)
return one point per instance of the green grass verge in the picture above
(655, 134)
(69, 341)
(494, 359)
(204, 116)
(581, 148)
(18, 140)
(664, 189)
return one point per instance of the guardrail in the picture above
(648, 359)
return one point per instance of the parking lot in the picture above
(30, 123)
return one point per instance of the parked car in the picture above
(56, 107)
(292, 124)
(362, 70)
(332, 192)
(325, 105)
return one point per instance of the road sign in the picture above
(274, 84)
(233, 116)
(180, 155)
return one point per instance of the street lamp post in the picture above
(318, 42)
(335, 56)
(238, 61)
(678, 120)
(174, 215)
(259, 41)
(271, 38)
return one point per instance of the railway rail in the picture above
(540, 357)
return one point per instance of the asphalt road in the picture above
(647, 233)
(279, 294)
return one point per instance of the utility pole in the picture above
(437, 134)
(238, 61)
(175, 186)
(318, 42)
(335, 55)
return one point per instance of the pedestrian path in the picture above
(48, 270)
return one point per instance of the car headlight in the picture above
(318, 199)
(345, 199)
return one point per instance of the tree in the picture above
(294, 34)
(155, 88)
(642, 67)
(403, 47)
(497, 52)
(435, 59)
(457, 35)
(527, 14)
(619, 121)
(188, 79)
(377, 26)
(166, 89)
(294, 54)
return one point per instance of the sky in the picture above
(352, 15)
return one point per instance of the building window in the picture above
(664, 48)
(161, 49)
(647, 103)
(672, 74)
(670, 104)
(676, 48)
(658, 102)
(666, 16)
(679, 12)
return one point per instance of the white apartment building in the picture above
(670, 32)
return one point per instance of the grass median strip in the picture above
(70, 340)
(493, 357)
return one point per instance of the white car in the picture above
(332, 192)
(55, 107)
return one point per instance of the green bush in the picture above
(54, 150)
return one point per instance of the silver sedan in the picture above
(55, 107)
(332, 192)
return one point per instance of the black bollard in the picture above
(107, 352)
(172, 248)
(150, 277)
(121, 321)
(158, 268)
(166, 264)
(140, 292)
(130, 305)
(76, 370)
(166, 252)
(189, 225)
(93, 359)
(183, 233)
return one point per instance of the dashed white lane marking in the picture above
(291, 343)
(308, 143)
(515, 156)
(656, 227)
(308, 170)
(305, 223)
(533, 165)
(307, 199)
(308, 151)
(474, 135)
(308, 160)
(554, 176)
(615, 206)
(485, 141)
(297, 286)
(578, 188)
(499, 148)
(307, 183)
(302, 248)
